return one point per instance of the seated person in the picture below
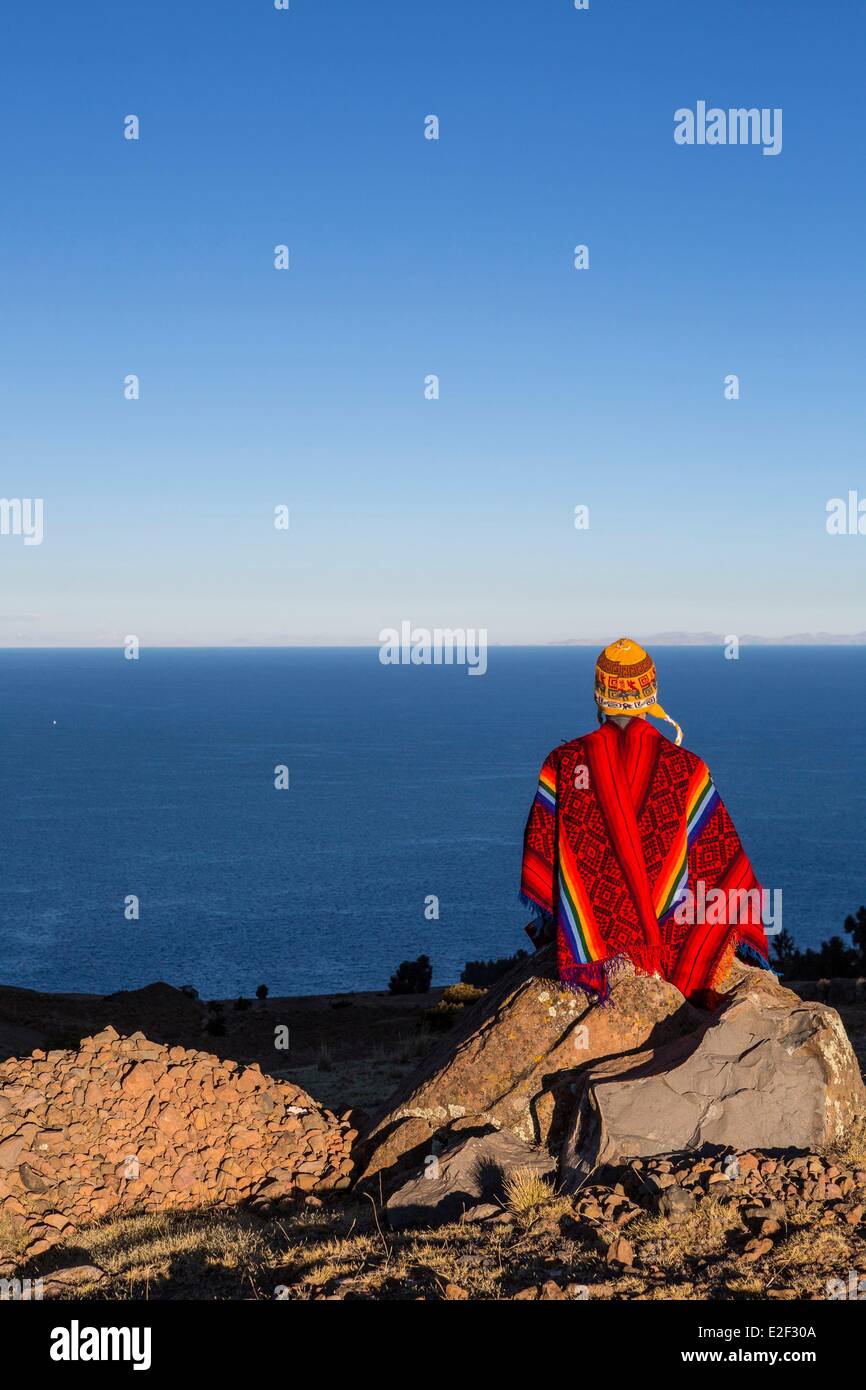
(629, 853)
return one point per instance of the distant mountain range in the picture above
(716, 639)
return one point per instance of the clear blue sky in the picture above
(410, 257)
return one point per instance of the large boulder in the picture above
(767, 1071)
(644, 1073)
(516, 1057)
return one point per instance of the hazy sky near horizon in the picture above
(559, 387)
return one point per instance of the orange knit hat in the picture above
(626, 682)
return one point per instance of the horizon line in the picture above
(831, 640)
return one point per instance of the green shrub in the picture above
(463, 994)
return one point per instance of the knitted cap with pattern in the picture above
(626, 682)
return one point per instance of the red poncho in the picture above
(630, 851)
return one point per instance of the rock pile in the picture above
(126, 1123)
(768, 1195)
(798, 1223)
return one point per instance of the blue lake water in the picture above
(156, 778)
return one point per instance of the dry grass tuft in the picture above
(746, 1286)
(670, 1245)
(670, 1292)
(815, 1247)
(525, 1191)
